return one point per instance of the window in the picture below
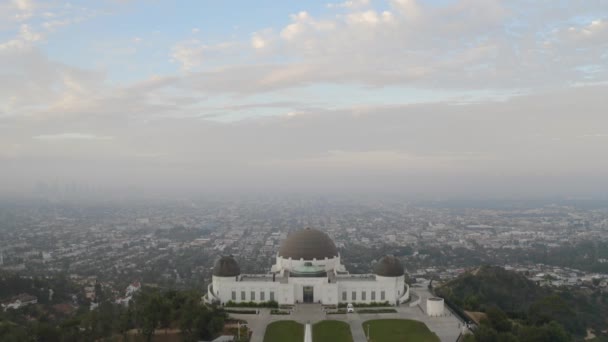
(373, 296)
(344, 296)
(382, 295)
(233, 295)
(262, 296)
(354, 295)
(242, 295)
(272, 295)
(252, 295)
(363, 295)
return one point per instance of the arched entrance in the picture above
(308, 295)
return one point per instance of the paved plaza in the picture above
(446, 327)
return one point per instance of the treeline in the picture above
(582, 255)
(150, 310)
(12, 284)
(499, 327)
(517, 308)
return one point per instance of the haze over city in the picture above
(438, 98)
(306, 171)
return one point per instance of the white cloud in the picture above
(349, 4)
(471, 44)
(24, 5)
(595, 32)
(24, 39)
(71, 136)
(257, 41)
(189, 54)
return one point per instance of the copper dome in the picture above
(308, 244)
(226, 266)
(389, 266)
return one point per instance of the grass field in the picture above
(397, 330)
(282, 331)
(331, 331)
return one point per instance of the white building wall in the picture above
(435, 306)
(223, 288)
(329, 264)
(394, 288)
(358, 287)
(323, 291)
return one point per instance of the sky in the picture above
(475, 98)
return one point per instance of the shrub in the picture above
(365, 305)
(364, 311)
(245, 312)
(279, 312)
(268, 304)
(337, 312)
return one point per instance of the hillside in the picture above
(516, 305)
(489, 286)
(64, 318)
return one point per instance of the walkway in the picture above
(447, 327)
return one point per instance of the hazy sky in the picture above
(444, 97)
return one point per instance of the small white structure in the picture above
(435, 306)
(308, 270)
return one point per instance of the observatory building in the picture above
(308, 270)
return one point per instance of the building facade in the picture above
(308, 270)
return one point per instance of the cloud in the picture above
(24, 5)
(192, 53)
(24, 39)
(596, 32)
(322, 99)
(258, 42)
(70, 136)
(349, 4)
(189, 54)
(467, 44)
(527, 144)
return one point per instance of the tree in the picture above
(48, 333)
(485, 333)
(125, 321)
(148, 308)
(98, 292)
(165, 313)
(554, 308)
(498, 320)
(552, 332)
(506, 337)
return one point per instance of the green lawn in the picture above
(331, 331)
(397, 330)
(284, 331)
